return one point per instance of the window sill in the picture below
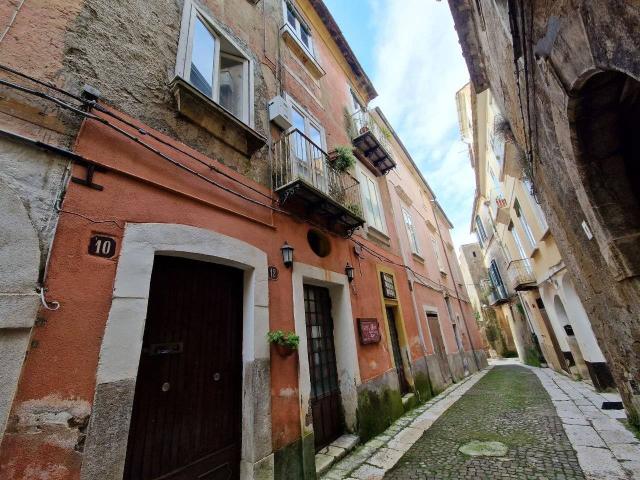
(302, 52)
(417, 258)
(376, 235)
(203, 111)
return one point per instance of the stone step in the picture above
(332, 453)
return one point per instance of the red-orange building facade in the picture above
(171, 186)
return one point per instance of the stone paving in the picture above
(550, 426)
(372, 460)
(509, 405)
(605, 448)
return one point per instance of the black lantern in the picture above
(287, 254)
(349, 270)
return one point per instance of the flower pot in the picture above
(283, 350)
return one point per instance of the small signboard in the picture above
(388, 287)
(102, 246)
(369, 330)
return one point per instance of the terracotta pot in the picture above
(283, 350)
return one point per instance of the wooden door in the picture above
(397, 353)
(186, 420)
(438, 345)
(326, 406)
(552, 335)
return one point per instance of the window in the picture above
(411, 232)
(494, 275)
(497, 145)
(436, 249)
(528, 185)
(518, 242)
(523, 223)
(214, 65)
(373, 212)
(480, 232)
(298, 25)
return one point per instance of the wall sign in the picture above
(388, 287)
(369, 330)
(102, 246)
(273, 273)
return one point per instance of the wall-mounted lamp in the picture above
(287, 254)
(350, 271)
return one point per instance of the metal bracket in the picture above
(88, 180)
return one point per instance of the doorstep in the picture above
(329, 455)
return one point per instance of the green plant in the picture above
(343, 159)
(286, 339)
(386, 132)
(355, 209)
(349, 124)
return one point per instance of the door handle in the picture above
(216, 377)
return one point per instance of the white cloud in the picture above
(418, 69)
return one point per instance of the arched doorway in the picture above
(561, 314)
(606, 110)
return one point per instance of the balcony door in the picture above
(496, 279)
(519, 246)
(307, 144)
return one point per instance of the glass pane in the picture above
(291, 18)
(231, 84)
(305, 37)
(202, 58)
(299, 143)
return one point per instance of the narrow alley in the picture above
(506, 422)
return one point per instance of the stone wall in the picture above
(574, 40)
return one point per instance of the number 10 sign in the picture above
(102, 246)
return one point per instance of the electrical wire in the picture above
(76, 109)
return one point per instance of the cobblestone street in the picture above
(546, 427)
(510, 406)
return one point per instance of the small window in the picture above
(213, 65)
(298, 25)
(411, 232)
(523, 223)
(436, 249)
(373, 212)
(474, 254)
(480, 232)
(319, 242)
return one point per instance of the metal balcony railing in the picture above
(372, 140)
(298, 158)
(520, 274)
(494, 295)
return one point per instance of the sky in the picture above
(410, 50)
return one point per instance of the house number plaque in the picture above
(102, 246)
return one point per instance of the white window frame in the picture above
(517, 209)
(436, 249)
(516, 238)
(309, 121)
(366, 179)
(185, 48)
(297, 28)
(412, 234)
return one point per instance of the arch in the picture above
(605, 109)
(106, 443)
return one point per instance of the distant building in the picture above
(565, 77)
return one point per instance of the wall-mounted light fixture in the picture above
(287, 254)
(350, 272)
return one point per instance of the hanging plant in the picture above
(343, 158)
(285, 343)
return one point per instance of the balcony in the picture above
(521, 275)
(310, 187)
(495, 296)
(372, 141)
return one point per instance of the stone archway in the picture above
(605, 110)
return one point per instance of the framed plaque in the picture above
(369, 329)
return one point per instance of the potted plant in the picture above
(285, 343)
(343, 158)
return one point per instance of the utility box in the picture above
(279, 113)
